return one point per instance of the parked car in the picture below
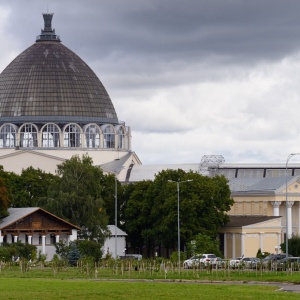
(197, 260)
(250, 262)
(207, 257)
(290, 260)
(274, 258)
(217, 263)
(132, 256)
(192, 262)
(235, 262)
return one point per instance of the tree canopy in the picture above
(5, 199)
(30, 187)
(76, 197)
(151, 208)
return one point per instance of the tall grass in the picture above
(145, 269)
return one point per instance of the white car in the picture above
(235, 262)
(217, 262)
(196, 260)
(206, 258)
(249, 262)
(192, 262)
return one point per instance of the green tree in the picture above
(30, 187)
(5, 253)
(21, 250)
(151, 212)
(62, 249)
(89, 249)
(294, 246)
(205, 244)
(108, 191)
(136, 215)
(6, 191)
(5, 199)
(203, 205)
(74, 254)
(76, 197)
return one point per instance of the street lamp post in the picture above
(178, 217)
(287, 233)
(116, 216)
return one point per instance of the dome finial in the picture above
(48, 34)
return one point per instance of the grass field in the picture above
(123, 283)
(24, 288)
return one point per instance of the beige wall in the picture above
(15, 160)
(251, 244)
(265, 235)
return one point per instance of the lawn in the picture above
(147, 282)
(38, 288)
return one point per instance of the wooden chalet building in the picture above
(36, 226)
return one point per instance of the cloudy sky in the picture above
(191, 78)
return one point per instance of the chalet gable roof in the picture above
(16, 214)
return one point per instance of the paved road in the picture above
(288, 287)
(283, 287)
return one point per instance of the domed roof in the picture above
(50, 83)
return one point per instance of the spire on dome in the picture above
(48, 34)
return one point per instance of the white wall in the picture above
(109, 246)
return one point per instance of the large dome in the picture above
(50, 83)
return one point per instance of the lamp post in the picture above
(178, 217)
(116, 208)
(286, 207)
(116, 216)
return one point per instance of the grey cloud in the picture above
(241, 32)
(138, 47)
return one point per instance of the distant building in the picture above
(38, 227)
(110, 243)
(53, 106)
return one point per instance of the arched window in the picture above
(92, 136)
(121, 137)
(28, 136)
(50, 135)
(72, 136)
(108, 136)
(8, 136)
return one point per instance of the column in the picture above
(276, 205)
(30, 239)
(261, 241)
(289, 218)
(43, 244)
(243, 244)
(61, 139)
(15, 238)
(233, 245)
(39, 139)
(1, 237)
(57, 238)
(73, 236)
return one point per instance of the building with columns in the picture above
(245, 234)
(53, 106)
(269, 197)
